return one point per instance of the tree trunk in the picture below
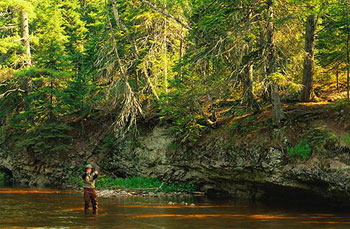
(129, 93)
(247, 82)
(25, 38)
(211, 103)
(181, 49)
(277, 112)
(51, 91)
(210, 98)
(308, 70)
(149, 82)
(165, 61)
(347, 60)
(247, 79)
(337, 76)
(115, 13)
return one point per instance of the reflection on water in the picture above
(25, 207)
(43, 191)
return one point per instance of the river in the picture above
(52, 208)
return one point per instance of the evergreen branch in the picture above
(167, 14)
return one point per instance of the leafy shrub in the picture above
(320, 139)
(301, 150)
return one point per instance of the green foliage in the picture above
(48, 140)
(301, 150)
(320, 139)
(2, 176)
(187, 123)
(136, 183)
(75, 180)
(36, 124)
(332, 38)
(244, 124)
(341, 105)
(91, 62)
(235, 126)
(345, 139)
(143, 183)
(37, 112)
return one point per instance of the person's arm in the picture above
(83, 176)
(95, 175)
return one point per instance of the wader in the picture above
(90, 196)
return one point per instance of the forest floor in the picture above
(328, 113)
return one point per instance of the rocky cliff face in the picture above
(30, 169)
(216, 164)
(27, 170)
(239, 170)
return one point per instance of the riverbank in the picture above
(108, 193)
(244, 158)
(108, 187)
(137, 186)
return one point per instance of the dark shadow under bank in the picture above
(8, 173)
(6, 176)
(279, 197)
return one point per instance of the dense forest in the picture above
(189, 64)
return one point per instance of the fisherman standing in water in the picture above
(89, 178)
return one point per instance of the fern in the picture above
(301, 150)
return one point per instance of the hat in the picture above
(88, 166)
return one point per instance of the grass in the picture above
(138, 183)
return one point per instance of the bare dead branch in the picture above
(8, 27)
(7, 93)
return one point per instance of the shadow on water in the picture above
(291, 198)
(45, 207)
(298, 199)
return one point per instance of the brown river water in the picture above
(52, 208)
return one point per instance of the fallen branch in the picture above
(7, 93)
(206, 118)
